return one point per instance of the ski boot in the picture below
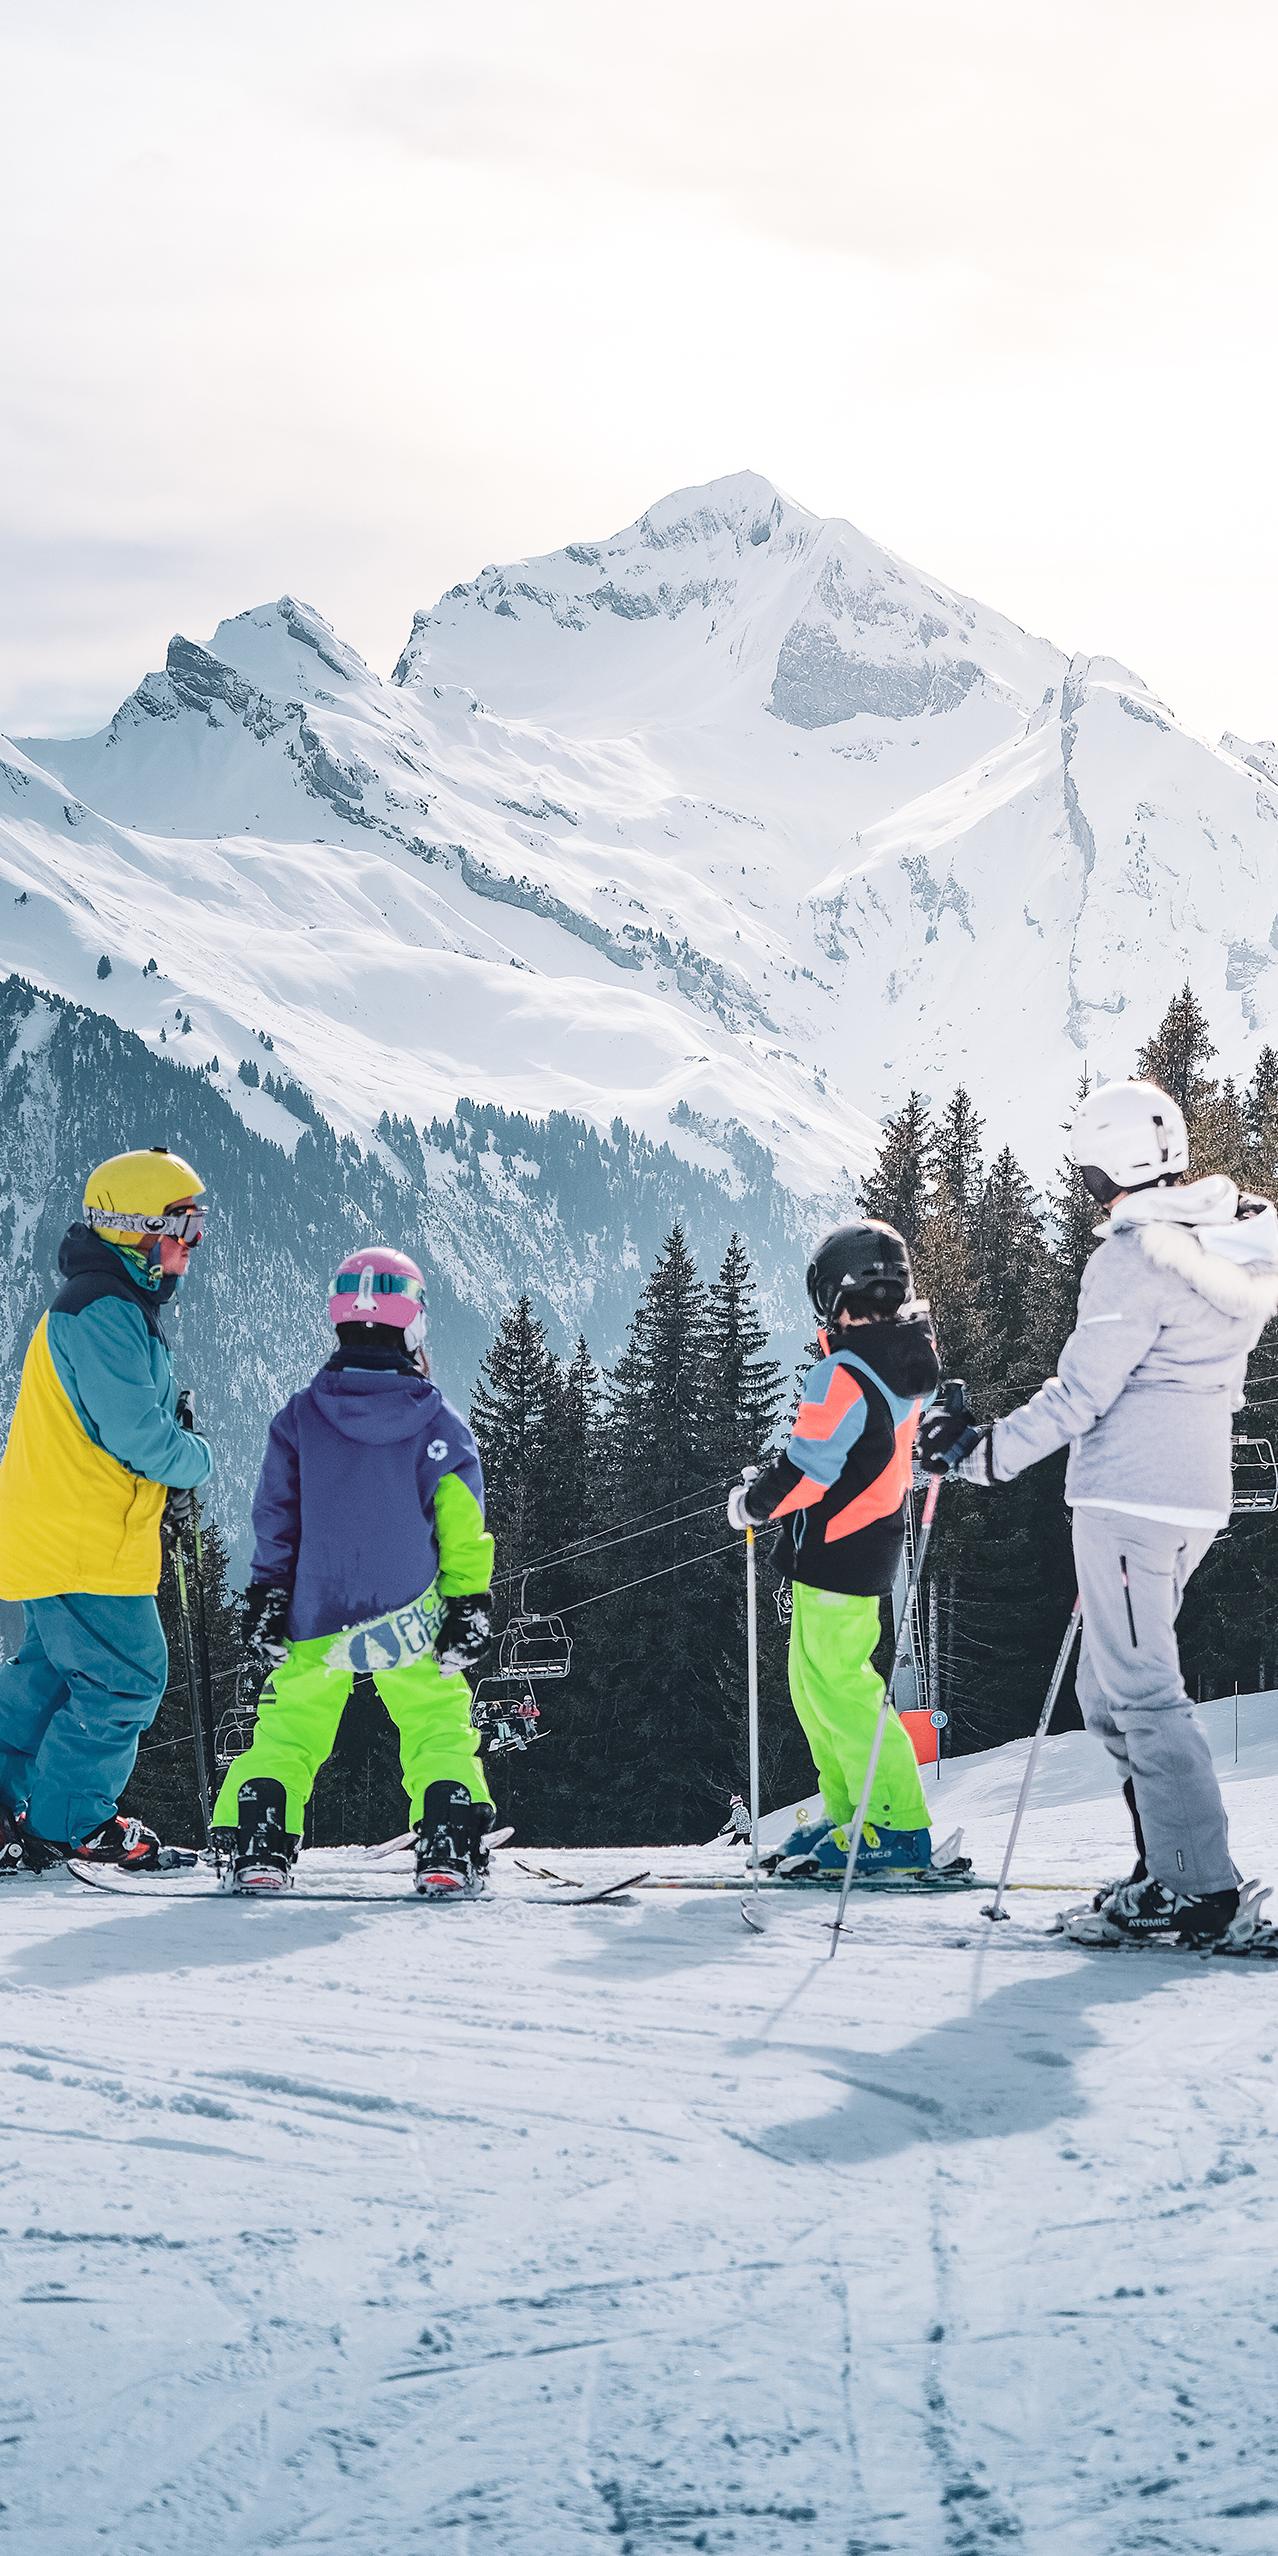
(127, 1845)
(452, 1857)
(1140, 1870)
(262, 1850)
(12, 1858)
(1139, 1912)
(801, 1844)
(882, 1850)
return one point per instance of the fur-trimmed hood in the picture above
(1222, 1242)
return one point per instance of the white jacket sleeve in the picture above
(1118, 1321)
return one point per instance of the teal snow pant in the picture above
(86, 1683)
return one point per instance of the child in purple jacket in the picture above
(370, 1556)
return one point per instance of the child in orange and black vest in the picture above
(839, 1493)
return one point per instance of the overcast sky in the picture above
(348, 300)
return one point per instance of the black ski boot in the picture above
(12, 1858)
(1140, 1869)
(127, 1845)
(452, 1858)
(263, 1849)
(1148, 1912)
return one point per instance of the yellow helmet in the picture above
(132, 1198)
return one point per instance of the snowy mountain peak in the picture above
(1259, 753)
(702, 826)
(724, 600)
(287, 647)
(743, 504)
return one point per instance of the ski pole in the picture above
(996, 1910)
(931, 1497)
(203, 1715)
(752, 1690)
(193, 1689)
(204, 1664)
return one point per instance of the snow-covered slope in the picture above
(517, 2227)
(732, 822)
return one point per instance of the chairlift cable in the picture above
(603, 1539)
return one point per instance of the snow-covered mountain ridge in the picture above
(731, 827)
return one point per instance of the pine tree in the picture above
(661, 1739)
(899, 1188)
(744, 1389)
(948, 1245)
(1176, 1057)
(1261, 1112)
(511, 1420)
(1221, 1134)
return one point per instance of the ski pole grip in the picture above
(951, 1394)
(184, 1410)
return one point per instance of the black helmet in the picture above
(861, 1269)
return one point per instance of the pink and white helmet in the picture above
(377, 1285)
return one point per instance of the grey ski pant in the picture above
(1132, 1575)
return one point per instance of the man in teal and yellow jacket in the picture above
(95, 1449)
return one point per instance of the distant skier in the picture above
(369, 1525)
(94, 1451)
(839, 1492)
(1170, 1307)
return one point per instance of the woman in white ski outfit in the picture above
(1170, 1307)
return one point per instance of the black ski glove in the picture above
(262, 1619)
(177, 1515)
(954, 1441)
(462, 1639)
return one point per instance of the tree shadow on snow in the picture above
(993, 2071)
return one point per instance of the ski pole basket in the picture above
(1255, 1475)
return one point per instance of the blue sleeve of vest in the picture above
(830, 1419)
(102, 1358)
(277, 1506)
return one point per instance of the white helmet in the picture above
(1131, 1133)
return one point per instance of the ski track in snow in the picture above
(625, 2229)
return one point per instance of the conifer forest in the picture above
(606, 1490)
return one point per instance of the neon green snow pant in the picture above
(836, 1692)
(302, 1704)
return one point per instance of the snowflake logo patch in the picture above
(437, 1449)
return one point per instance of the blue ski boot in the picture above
(880, 1851)
(803, 1840)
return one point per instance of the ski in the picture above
(206, 1887)
(889, 1885)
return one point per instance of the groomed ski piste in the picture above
(390, 2227)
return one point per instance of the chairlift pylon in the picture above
(533, 1644)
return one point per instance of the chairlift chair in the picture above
(505, 1714)
(234, 1733)
(534, 1645)
(1255, 1475)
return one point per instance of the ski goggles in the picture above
(184, 1224)
(366, 1283)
